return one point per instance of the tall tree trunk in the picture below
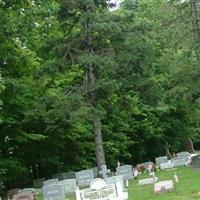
(189, 145)
(195, 26)
(96, 120)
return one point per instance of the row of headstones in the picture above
(182, 159)
(70, 182)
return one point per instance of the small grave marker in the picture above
(164, 186)
(167, 165)
(147, 181)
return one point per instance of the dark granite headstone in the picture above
(196, 161)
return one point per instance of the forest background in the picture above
(74, 69)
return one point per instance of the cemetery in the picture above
(99, 99)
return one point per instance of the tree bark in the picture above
(96, 120)
(189, 145)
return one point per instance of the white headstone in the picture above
(163, 186)
(99, 190)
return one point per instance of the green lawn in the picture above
(188, 187)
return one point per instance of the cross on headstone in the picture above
(104, 171)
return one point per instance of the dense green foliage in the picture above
(145, 61)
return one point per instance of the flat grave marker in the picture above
(163, 186)
(147, 181)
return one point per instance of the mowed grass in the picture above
(188, 187)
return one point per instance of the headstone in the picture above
(53, 192)
(186, 155)
(84, 177)
(38, 183)
(99, 190)
(167, 165)
(69, 185)
(163, 186)
(23, 196)
(146, 181)
(50, 181)
(125, 171)
(161, 160)
(104, 171)
(196, 161)
(115, 179)
(176, 162)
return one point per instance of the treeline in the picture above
(74, 69)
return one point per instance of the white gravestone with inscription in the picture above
(53, 192)
(163, 186)
(99, 190)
